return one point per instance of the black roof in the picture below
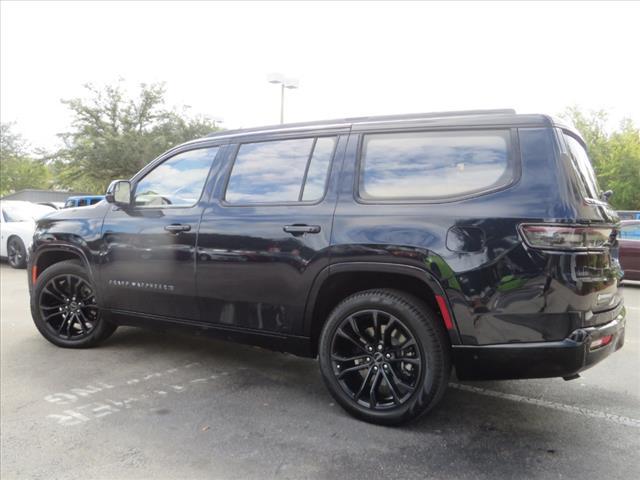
(454, 118)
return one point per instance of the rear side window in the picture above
(281, 171)
(582, 167)
(434, 165)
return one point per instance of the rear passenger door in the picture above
(265, 235)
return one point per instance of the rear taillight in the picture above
(601, 342)
(571, 237)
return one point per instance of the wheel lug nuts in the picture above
(379, 347)
(385, 366)
(388, 355)
(375, 368)
(370, 348)
(368, 359)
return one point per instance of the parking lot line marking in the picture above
(619, 419)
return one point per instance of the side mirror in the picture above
(606, 195)
(119, 193)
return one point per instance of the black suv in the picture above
(392, 248)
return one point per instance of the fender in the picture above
(59, 247)
(378, 267)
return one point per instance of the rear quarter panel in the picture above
(504, 292)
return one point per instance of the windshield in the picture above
(582, 166)
(24, 212)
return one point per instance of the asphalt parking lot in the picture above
(165, 405)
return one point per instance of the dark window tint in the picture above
(178, 181)
(274, 171)
(582, 166)
(318, 171)
(431, 165)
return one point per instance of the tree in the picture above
(114, 136)
(17, 169)
(615, 156)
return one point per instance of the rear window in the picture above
(434, 165)
(582, 167)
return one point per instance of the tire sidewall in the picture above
(427, 344)
(66, 267)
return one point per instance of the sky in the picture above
(351, 59)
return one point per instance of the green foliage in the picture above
(17, 169)
(114, 136)
(615, 156)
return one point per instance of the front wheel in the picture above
(385, 356)
(63, 307)
(16, 253)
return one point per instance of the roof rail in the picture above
(373, 118)
(411, 116)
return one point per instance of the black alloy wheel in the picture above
(64, 307)
(385, 356)
(16, 253)
(68, 306)
(376, 359)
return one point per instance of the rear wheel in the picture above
(63, 307)
(16, 253)
(384, 356)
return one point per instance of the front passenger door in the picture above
(148, 249)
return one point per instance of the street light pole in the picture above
(290, 83)
(282, 103)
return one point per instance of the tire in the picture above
(63, 307)
(16, 252)
(398, 345)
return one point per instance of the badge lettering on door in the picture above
(142, 285)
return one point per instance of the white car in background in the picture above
(17, 224)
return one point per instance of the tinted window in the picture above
(434, 164)
(177, 181)
(630, 232)
(318, 171)
(582, 166)
(274, 171)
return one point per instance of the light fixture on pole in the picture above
(290, 83)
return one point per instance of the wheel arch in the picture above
(50, 255)
(340, 280)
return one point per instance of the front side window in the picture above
(582, 166)
(433, 165)
(280, 171)
(176, 182)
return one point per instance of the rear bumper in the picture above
(541, 359)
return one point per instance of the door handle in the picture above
(297, 230)
(177, 228)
